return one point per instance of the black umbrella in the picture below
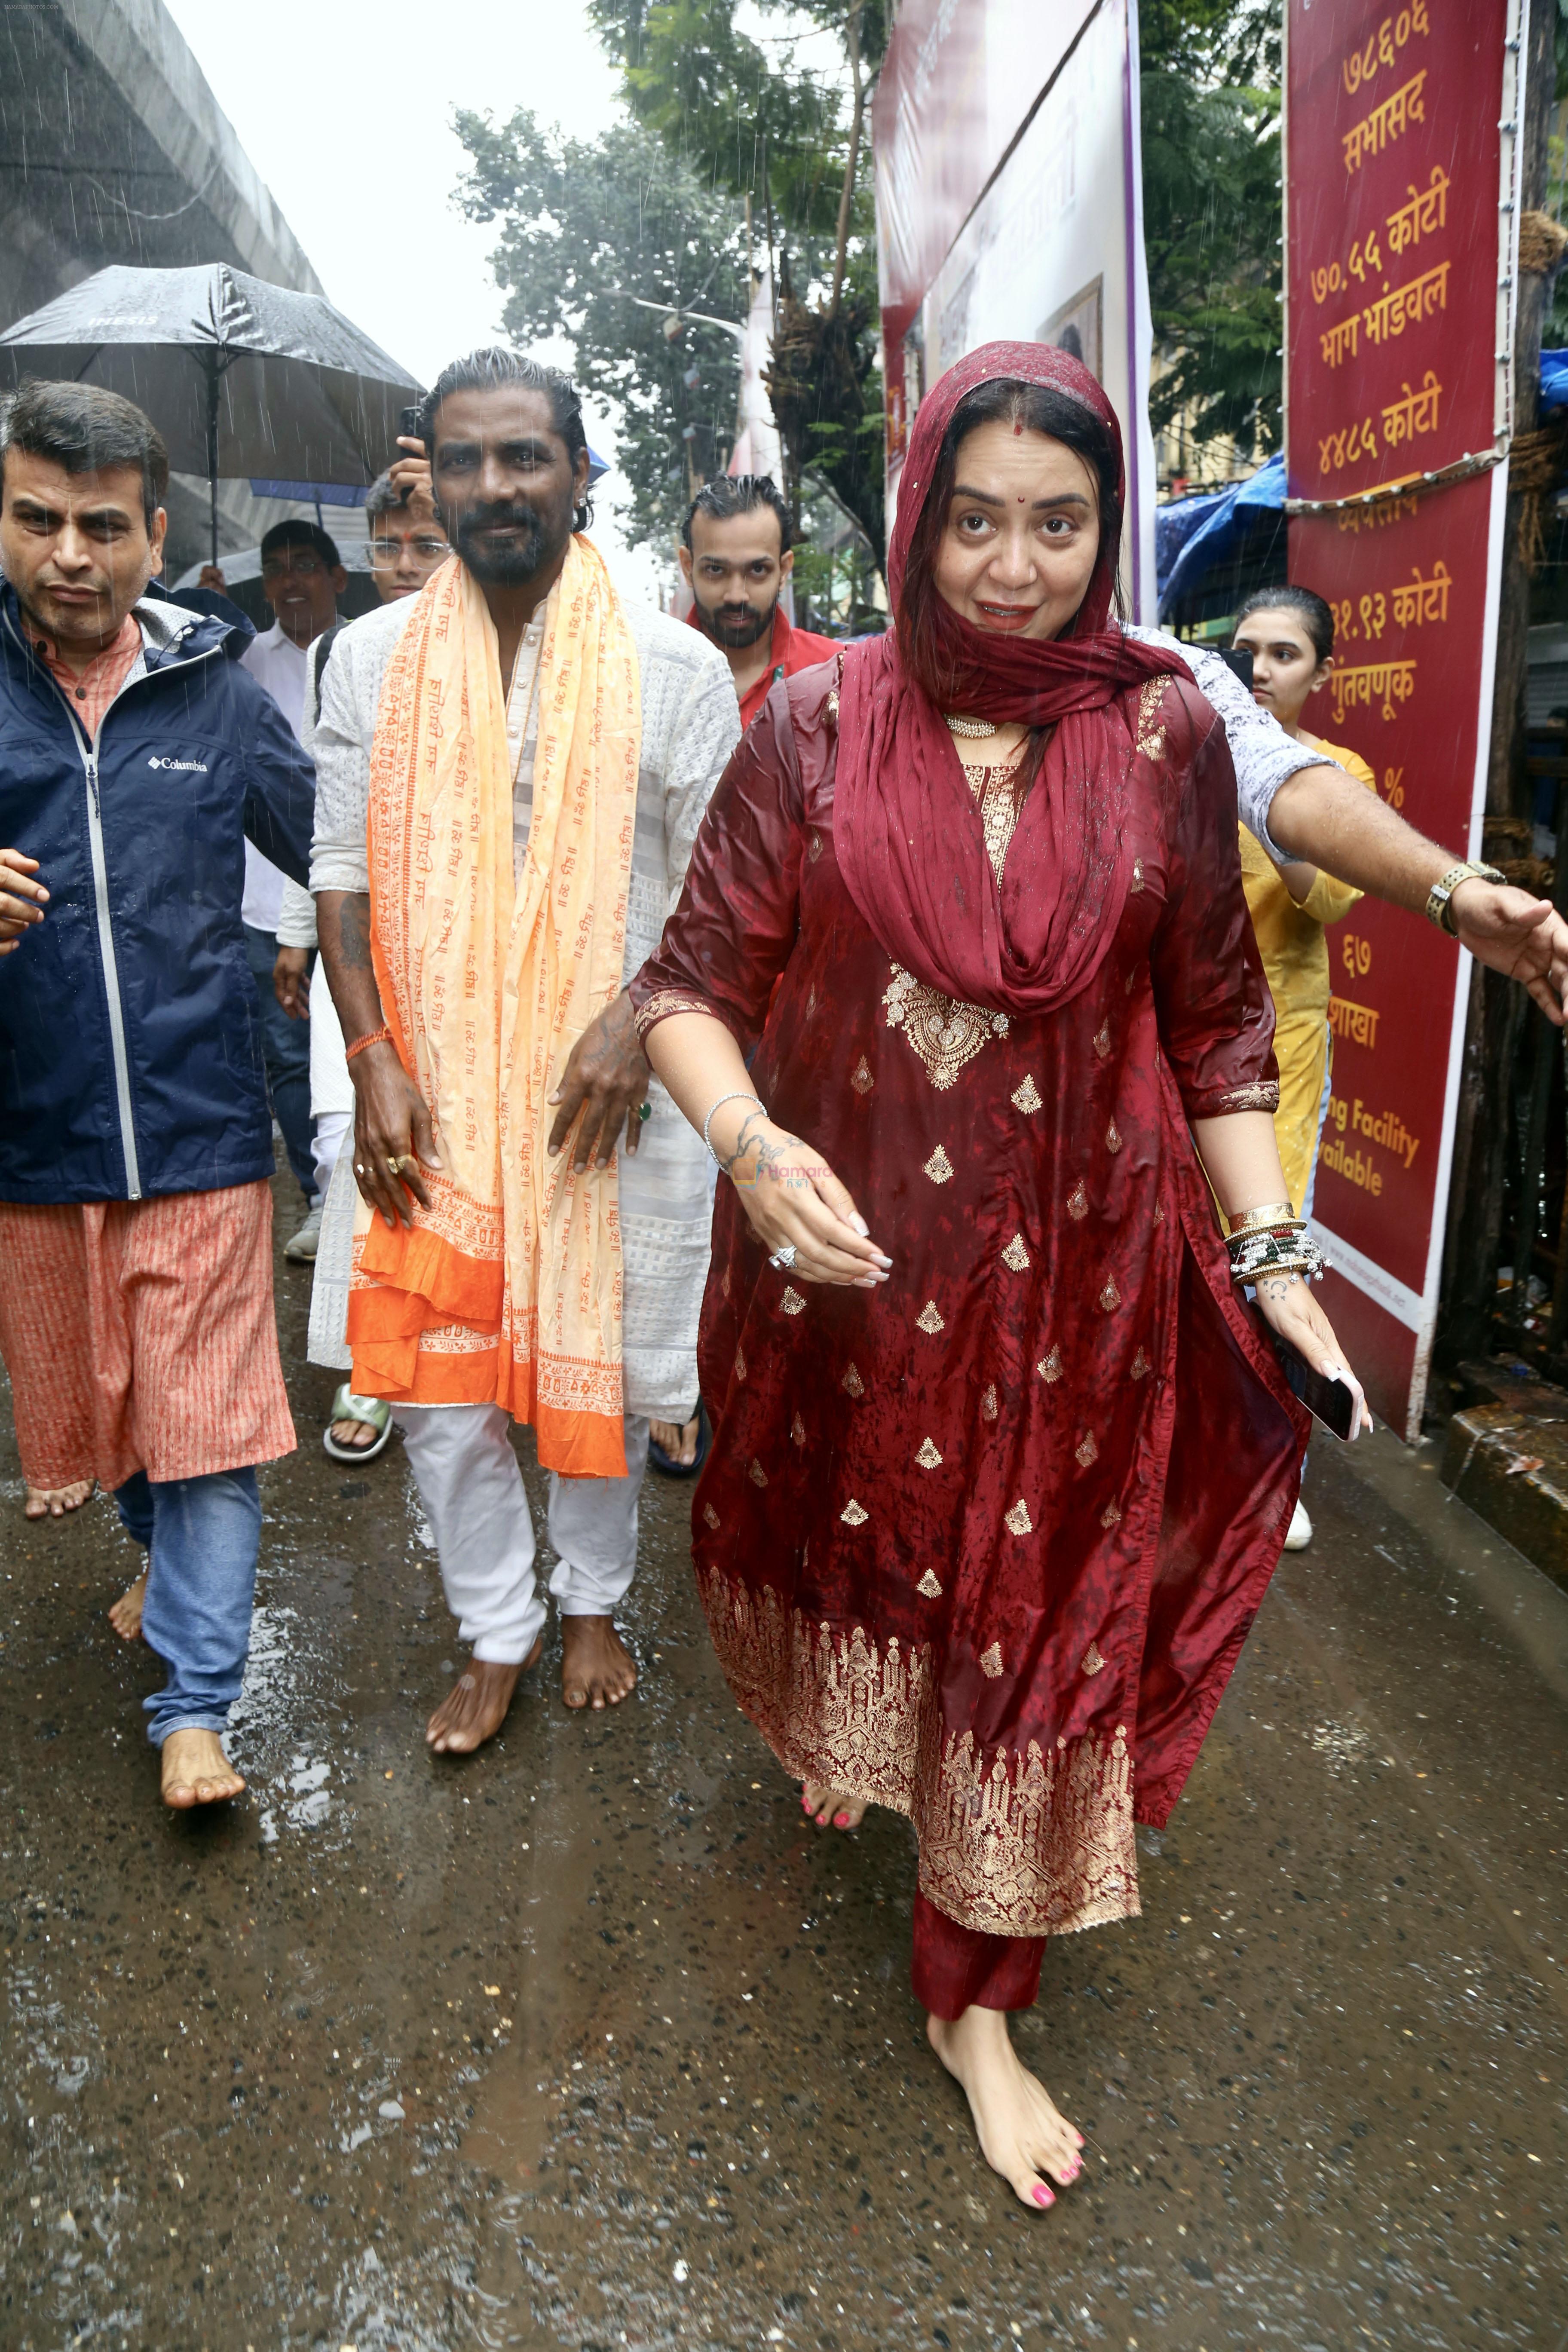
(241, 378)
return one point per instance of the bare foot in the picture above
(1021, 2135)
(125, 1616)
(196, 1771)
(597, 1670)
(476, 1708)
(354, 1436)
(679, 1443)
(829, 1805)
(54, 1502)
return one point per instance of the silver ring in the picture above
(359, 1167)
(783, 1258)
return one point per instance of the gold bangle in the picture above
(1257, 1221)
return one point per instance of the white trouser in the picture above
(331, 1088)
(473, 1496)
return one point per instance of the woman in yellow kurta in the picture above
(1289, 632)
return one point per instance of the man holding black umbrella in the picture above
(136, 759)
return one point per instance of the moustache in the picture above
(510, 516)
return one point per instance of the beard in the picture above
(736, 627)
(513, 566)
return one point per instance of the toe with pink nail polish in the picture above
(1044, 2196)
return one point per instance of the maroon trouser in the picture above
(955, 1967)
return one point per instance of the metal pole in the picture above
(212, 450)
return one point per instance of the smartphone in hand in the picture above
(1335, 1403)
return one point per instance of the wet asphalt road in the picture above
(591, 2041)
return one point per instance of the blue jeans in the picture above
(202, 1536)
(286, 1049)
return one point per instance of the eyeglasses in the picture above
(299, 560)
(390, 551)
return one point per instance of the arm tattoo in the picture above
(353, 933)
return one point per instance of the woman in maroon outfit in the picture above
(994, 1495)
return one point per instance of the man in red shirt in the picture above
(735, 558)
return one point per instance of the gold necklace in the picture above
(974, 728)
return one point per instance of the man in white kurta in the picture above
(461, 1454)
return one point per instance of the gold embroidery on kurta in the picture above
(1151, 739)
(1140, 1365)
(792, 1302)
(1028, 1098)
(710, 1514)
(1016, 1254)
(813, 847)
(1086, 1451)
(1102, 1040)
(1049, 1368)
(1137, 881)
(988, 1407)
(862, 1081)
(1111, 1516)
(1018, 1518)
(797, 1431)
(929, 1586)
(995, 793)
(1037, 1844)
(1159, 1216)
(1093, 1663)
(854, 1514)
(740, 1364)
(1018, 1842)
(927, 1455)
(929, 1318)
(945, 1036)
(757, 1473)
(1077, 1200)
(1110, 1297)
(939, 1167)
(852, 1384)
(991, 1661)
(1112, 1138)
(724, 1286)
(1262, 1096)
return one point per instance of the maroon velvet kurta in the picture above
(983, 1544)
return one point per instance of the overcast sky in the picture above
(344, 108)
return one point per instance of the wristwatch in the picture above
(1438, 908)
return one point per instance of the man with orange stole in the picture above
(514, 765)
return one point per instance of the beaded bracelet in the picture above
(382, 1036)
(1290, 1250)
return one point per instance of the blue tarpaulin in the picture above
(1196, 534)
(1553, 380)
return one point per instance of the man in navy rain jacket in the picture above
(136, 1322)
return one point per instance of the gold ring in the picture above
(397, 1166)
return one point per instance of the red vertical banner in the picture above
(1400, 139)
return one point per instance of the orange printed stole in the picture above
(508, 1289)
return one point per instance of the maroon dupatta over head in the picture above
(908, 832)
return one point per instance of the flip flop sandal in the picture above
(668, 1466)
(371, 1412)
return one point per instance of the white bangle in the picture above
(737, 1094)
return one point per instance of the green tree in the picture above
(1209, 91)
(585, 227)
(757, 115)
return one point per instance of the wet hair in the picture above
(382, 496)
(1032, 408)
(737, 494)
(298, 532)
(87, 430)
(1316, 617)
(493, 368)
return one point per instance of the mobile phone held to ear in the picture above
(408, 424)
(1333, 1402)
